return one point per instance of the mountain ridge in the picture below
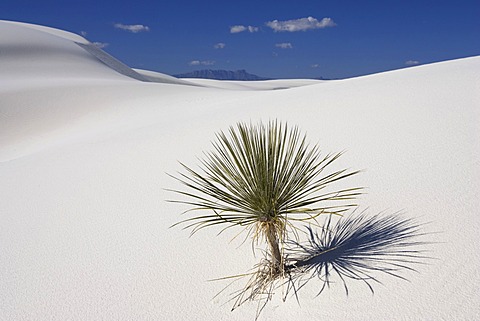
(220, 74)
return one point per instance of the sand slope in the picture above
(84, 151)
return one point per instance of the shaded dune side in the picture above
(111, 62)
(125, 70)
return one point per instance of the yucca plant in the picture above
(264, 178)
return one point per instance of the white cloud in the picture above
(412, 62)
(219, 45)
(315, 66)
(132, 28)
(237, 29)
(204, 63)
(301, 24)
(284, 45)
(100, 44)
(240, 28)
(83, 33)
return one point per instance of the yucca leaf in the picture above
(264, 175)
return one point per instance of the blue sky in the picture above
(284, 39)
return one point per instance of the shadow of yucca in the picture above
(355, 247)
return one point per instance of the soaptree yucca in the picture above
(265, 178)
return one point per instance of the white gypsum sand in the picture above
(84, 152)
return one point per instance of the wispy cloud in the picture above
(100, 44)
(412, 62)
(237, 29)
(219, 45)
(315, 66)
(132, 28)
(203, 62)
(96, 43)
(284, 45)
(241, 28)
(301, 24)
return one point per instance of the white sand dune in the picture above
(276, 84)
(84, 152)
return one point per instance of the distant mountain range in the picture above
(221, 75)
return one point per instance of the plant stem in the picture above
(272, 239)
